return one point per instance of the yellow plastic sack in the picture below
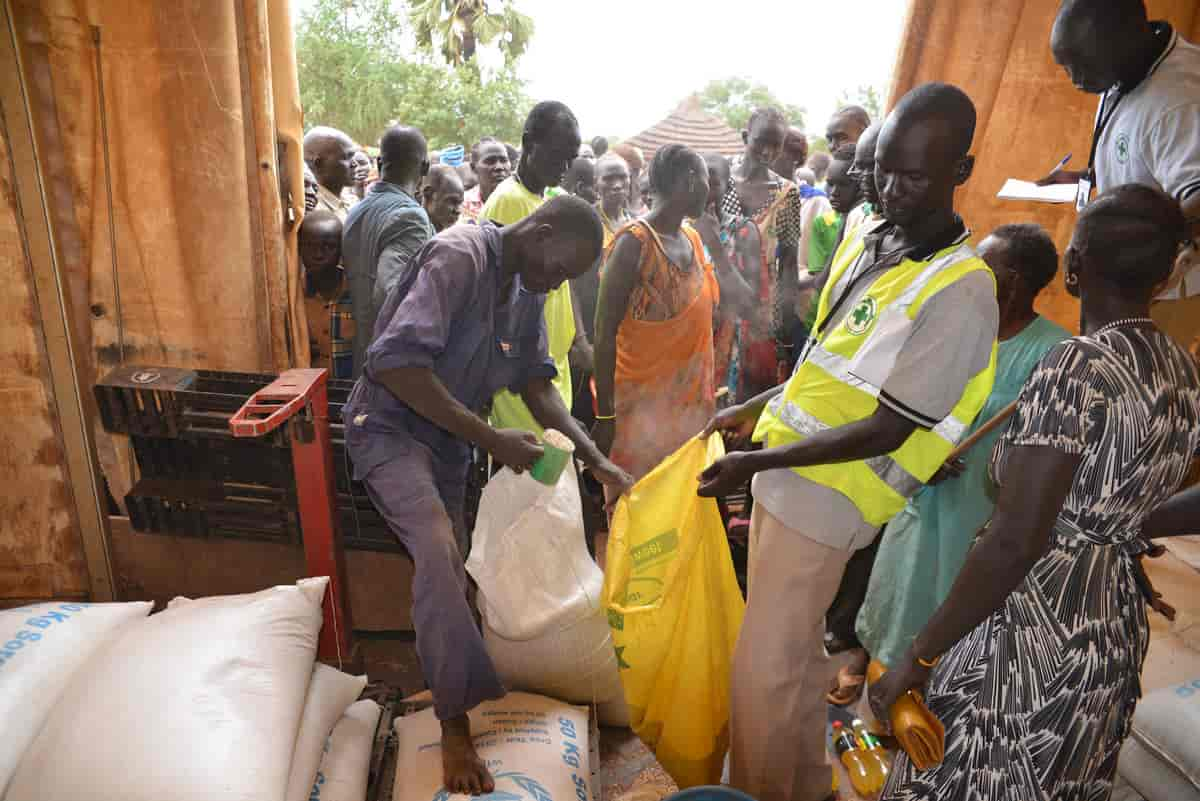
(675, 610)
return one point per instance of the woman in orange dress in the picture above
(654, 320)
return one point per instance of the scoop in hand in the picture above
(919, 732)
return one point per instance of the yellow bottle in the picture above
(864, 772)
(873, 750)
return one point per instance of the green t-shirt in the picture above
(511, 202)
(821, 243)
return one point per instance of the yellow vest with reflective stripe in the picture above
(839, 380)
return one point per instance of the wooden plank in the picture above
(53, 542)
(157, 567)
(289, 129)
(250, 119)
(380, 590)
(267, 218)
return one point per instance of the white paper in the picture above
(1025, 190)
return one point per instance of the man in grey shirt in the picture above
(914, 364)
(1147, 128)
(385, 230)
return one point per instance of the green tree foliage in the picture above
(733, 100)
(357, 74)
(455, 28)
(457, 105)
(866, 96)
(351, 65)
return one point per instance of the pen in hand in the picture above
(1055, 176)
(1065, 160)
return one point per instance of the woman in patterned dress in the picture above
(1044, 631)
(764, 208)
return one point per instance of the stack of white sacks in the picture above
(213, 699)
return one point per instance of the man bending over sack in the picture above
(463, 321)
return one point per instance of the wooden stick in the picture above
(985, 429)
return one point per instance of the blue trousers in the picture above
(422, 501)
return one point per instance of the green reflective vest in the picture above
(839, 379)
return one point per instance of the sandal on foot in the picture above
(849, 688)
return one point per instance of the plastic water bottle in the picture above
(864, 774)
(874, 751)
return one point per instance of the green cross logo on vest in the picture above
(861, 316)
(1122, 148)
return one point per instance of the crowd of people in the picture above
(829, 315)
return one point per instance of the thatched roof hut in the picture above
(692, 126)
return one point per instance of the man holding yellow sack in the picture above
(900, 362)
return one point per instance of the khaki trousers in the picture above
(780, 668)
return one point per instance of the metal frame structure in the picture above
(301, 396)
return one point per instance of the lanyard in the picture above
(1102, 122)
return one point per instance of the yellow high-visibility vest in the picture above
(839, 380)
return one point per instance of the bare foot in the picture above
(462, 769)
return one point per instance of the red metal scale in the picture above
(300, 398)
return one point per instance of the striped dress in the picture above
(1037, 700)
